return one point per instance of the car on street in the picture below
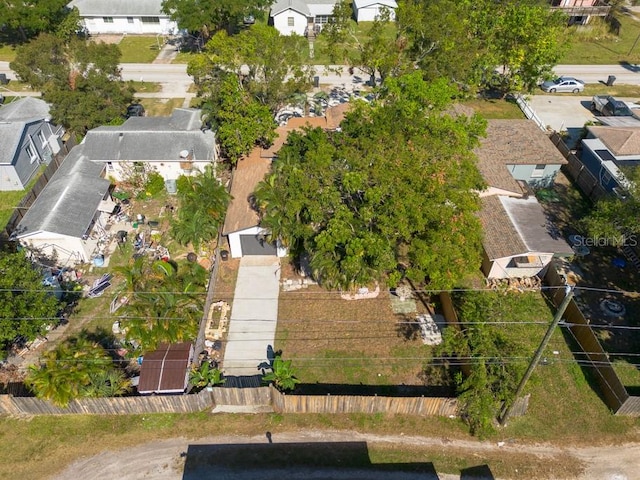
(563, 85)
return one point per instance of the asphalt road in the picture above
(177, 73)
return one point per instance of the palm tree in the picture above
(281, 375)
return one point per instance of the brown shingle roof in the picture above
(619, 140)
(165, 369)
(500, 236)
(248, 173)
(513, 142)
(251, 170)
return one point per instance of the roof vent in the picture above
(184, 154)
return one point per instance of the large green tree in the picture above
(270, 67)
(81, 80)
(240, 121)
(26, 304)
(27, 18)
(371, 48)
(208, 16)
(392, 192)
(466, 40)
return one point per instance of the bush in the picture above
(154, 185)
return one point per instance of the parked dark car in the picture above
(135, 110)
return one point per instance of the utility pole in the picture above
(506, 410)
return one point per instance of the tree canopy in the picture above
(27, 18)
(26, 304)
(207, 17)
(614, 219)
(465, 40)
(81, 80)
(390, 194)
(271, 67)
(369, 47)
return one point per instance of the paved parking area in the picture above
(563, 112)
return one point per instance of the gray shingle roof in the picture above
(516, 226)
(98, 8)
(14, 118)
(151, 139)
(298, 5)
(27, 108)
(69, 201)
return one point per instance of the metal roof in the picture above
(165, 370)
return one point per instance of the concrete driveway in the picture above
(564, 113)
(254, 315)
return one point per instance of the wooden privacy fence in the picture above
(423, 406)
(613, 390)
(258, 396)
(576, 170)
(108, 406)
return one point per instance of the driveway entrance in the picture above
(254, 315)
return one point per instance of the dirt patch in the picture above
(107, 38)
(179, 458)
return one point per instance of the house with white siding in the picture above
(124, 17)
(369, 10)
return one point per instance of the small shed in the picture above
(369, 10)
(166, 370)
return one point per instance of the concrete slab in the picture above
(564, 113)
(254, 315)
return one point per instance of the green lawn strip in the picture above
(628, 373)
(605, 49)
(495, 108)
(7, 53)
(145, 87)
(139, 49)
(183, 57)
(160, 107)
(9, 199)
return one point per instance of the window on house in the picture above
(129, 19)
(109, 166)
(606, 178)
(42, 138)
(150, 19)
(290, 21)
(107, 19)
(538, 171)
(322, 19)
(31, 153)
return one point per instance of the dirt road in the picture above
(238, 458)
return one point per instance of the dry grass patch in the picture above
(332, 340)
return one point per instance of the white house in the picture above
(369, 10)
(27, 141)
(67, 219)
(124, 16)
(172, 146)
(301, 17)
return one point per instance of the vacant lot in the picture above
(332, 340)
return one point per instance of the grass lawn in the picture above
(606, 49)
(161, 107)
(495, 108)
(183, 57)
(10, 199)
(7, 53)
(145, 87)
(139, 48)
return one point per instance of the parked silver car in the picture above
(563, 84)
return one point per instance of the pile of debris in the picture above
(515, 284)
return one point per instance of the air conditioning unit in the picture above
(54, 144)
